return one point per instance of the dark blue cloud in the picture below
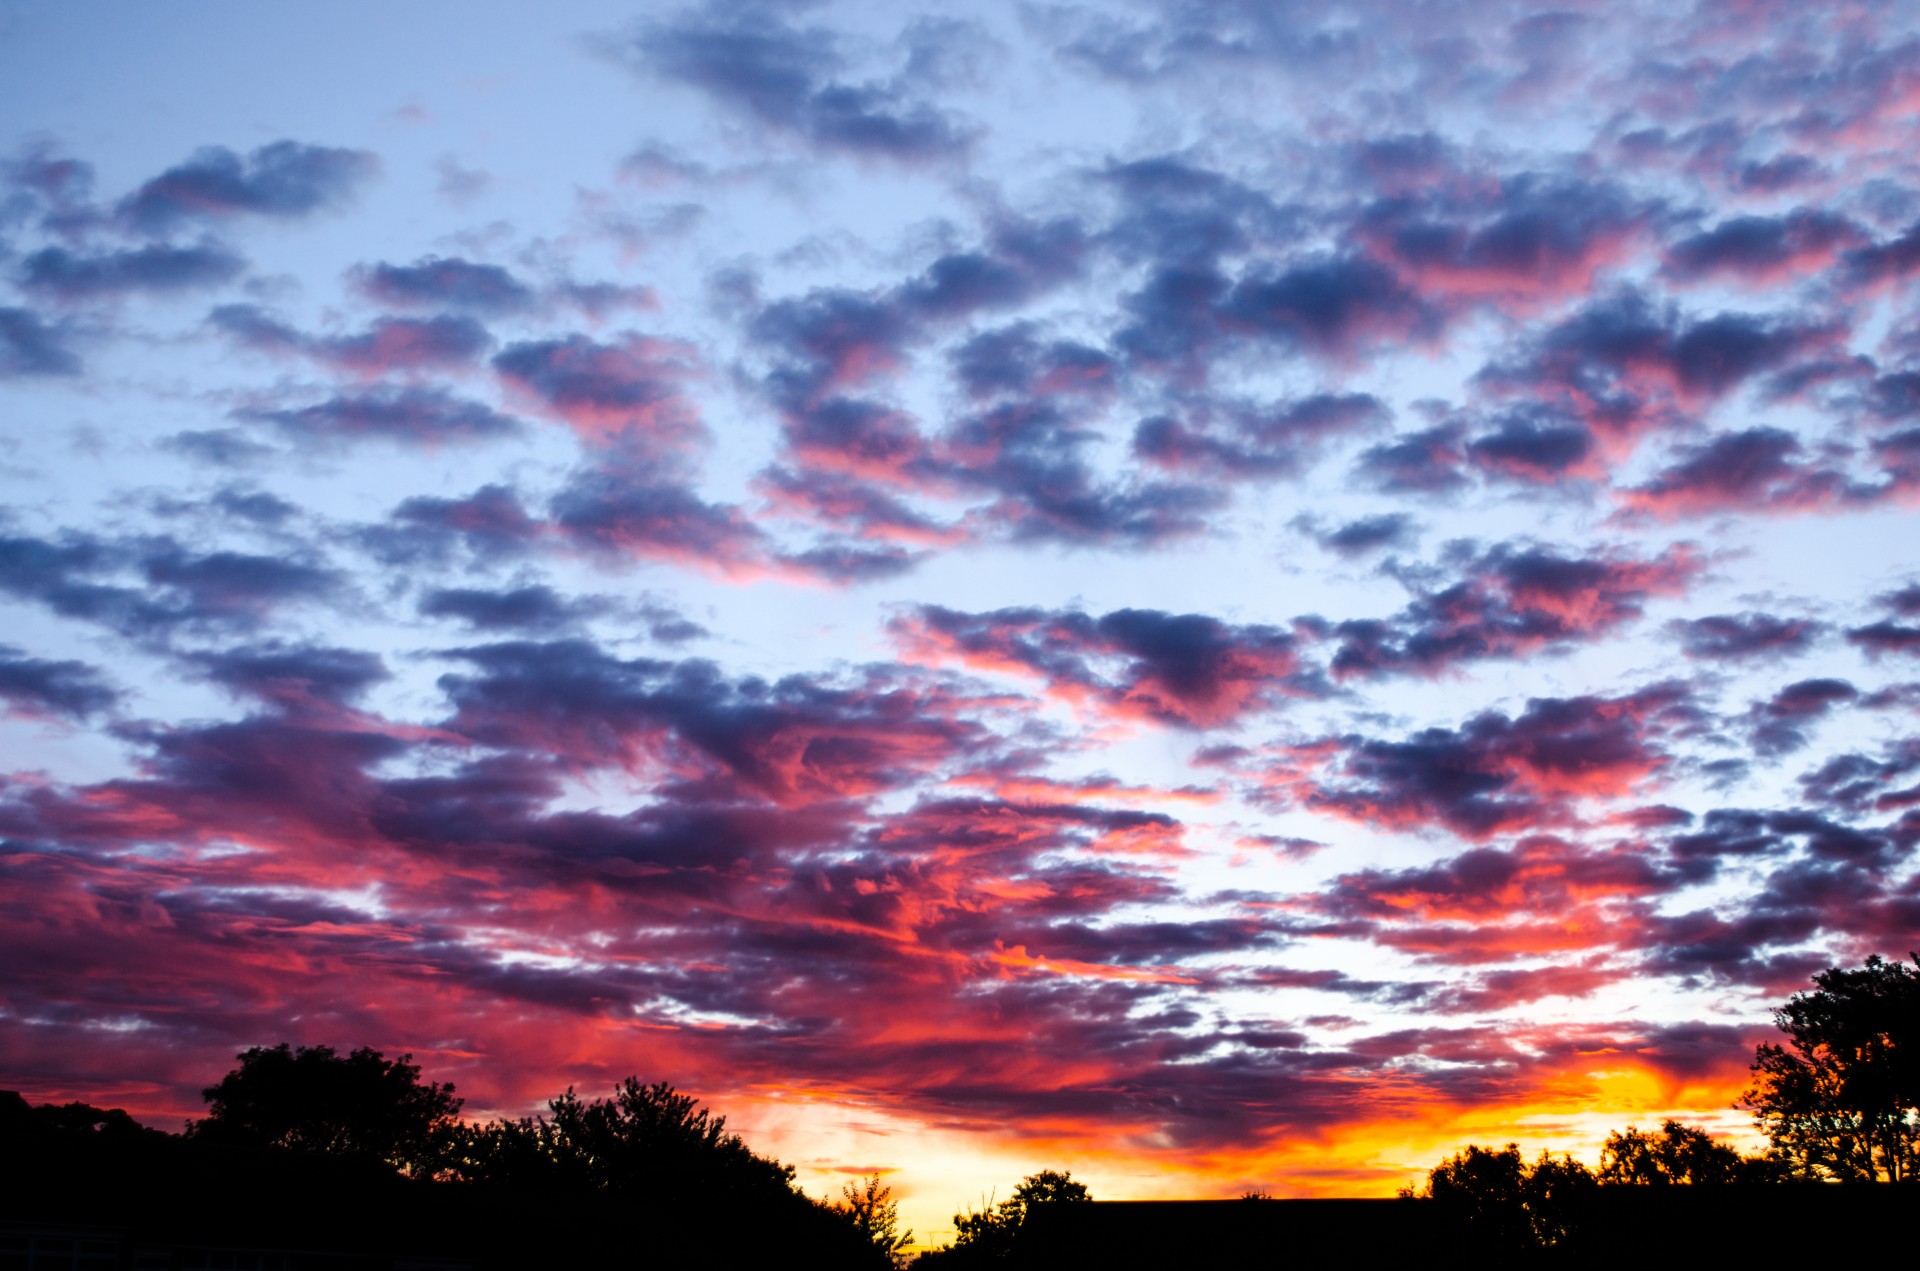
(787, 79)
(1780, 724)
(491, 523)
(1624, 365)
(292, 677)
(617, 512)
(28, 346)
(1015, 360)
(1498, 772)
(221, 586)
(1429, 461)
(81, 577)
(1891, 635)
(1369, 534)
(797, 740)
(1028, 456)
(1180, 214)
(423, 417)
(1886, 262)
(1243, 442)
(1759, 470)
(532, 608)
(1532, 448)
(390, 344)
(1336, 307)
(1744, 636)
(1762, 249)
(1511, 600)
(39, 686)
(283, 180)
(445, 282)
(1189, 670)
(68, 275)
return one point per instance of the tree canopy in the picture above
(646, 1138)
(1841, 1099)
(869, 1206)
(1676, 1153)
(360, 1105)
(985, 1236)
(1504, 1204)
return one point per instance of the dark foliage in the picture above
(1505, 1206)
(1841, 1100)
(869, 1206)
(1676, 1154)
(309, 1149)
(361, 1106)
(648, 1140)
(987, 1236)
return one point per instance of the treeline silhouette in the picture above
(308, 1154)
(308, 1158)
(1839, 1102)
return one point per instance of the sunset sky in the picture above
(1216, 595)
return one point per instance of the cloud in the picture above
(1495, 773)
(29, 347)
(1541, 876)
(616, 512)
(1621, 366)
(1763, 251)
(629, 390)
(1745, 636)
(77, 576)
(1756, 470)
(41, 687)
(791, 742)
(1276, 440)
(492, 523)
(283, 180)
(1535, 242)
(854, 506)
(1369, 534)
(1510, 601)
(1014, 360)
(297, 679)
(1889, 635)
(425, 417)
(1535, 447)
(445, 282)
(1187, 670)
(534, 608)
(1876, 266)
(1340, 308)
(1028, 455)
(1428, 461)
(786, 79)
(160, 270)
(390, 345)
(229, 585)
(1780, 724)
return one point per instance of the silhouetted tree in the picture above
(869, 1206)
(361, 1106)
(1842, 1099)
(1555, 1195)
(985, 1236)
(650, 1139)
(20, 1121)
(1676, 1154)
(1502, 1205)
(1484, 1192)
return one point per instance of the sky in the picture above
(1221, 596)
